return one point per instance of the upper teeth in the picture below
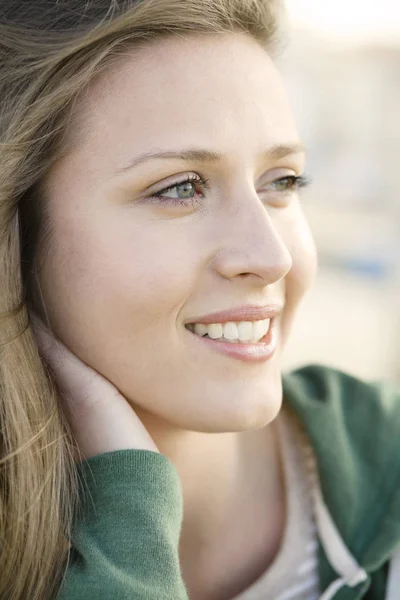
(244, 331)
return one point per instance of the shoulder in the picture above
(354, 428)
(355, 405)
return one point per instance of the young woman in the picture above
(153, 256)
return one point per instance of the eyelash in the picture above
(192, 178)
(295, 183)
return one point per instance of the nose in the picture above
(250, 245)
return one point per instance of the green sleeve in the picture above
(125, 541)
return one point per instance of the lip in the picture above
(261, 351)
(242, 313)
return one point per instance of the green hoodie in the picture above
(125, 538)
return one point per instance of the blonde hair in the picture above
(49, 52)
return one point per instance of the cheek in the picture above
(300, 243)
(109, 279)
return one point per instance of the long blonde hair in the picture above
(50, 51)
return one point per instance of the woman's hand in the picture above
(100, 418)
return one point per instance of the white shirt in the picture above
(293, 575)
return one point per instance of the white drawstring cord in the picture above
(334, 587)
(335, 549)
(393, 585)
(337, 553)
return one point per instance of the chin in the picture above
(221, 402)
(245, 412)
(238, 407)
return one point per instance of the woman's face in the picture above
(129, 269)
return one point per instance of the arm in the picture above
(125, 536)
(125, 544)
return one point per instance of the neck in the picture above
(233, 496)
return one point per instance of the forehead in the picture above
(210, 90)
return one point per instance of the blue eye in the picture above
(182, 191)
(188, 192)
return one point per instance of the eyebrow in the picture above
(200, 155)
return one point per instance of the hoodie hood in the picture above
(354, 429)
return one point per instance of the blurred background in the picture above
(342, 67)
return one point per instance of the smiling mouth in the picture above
(233, 332)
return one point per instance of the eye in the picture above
(182, 191)
(288, 184)
(279, 192)
(186, 192)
